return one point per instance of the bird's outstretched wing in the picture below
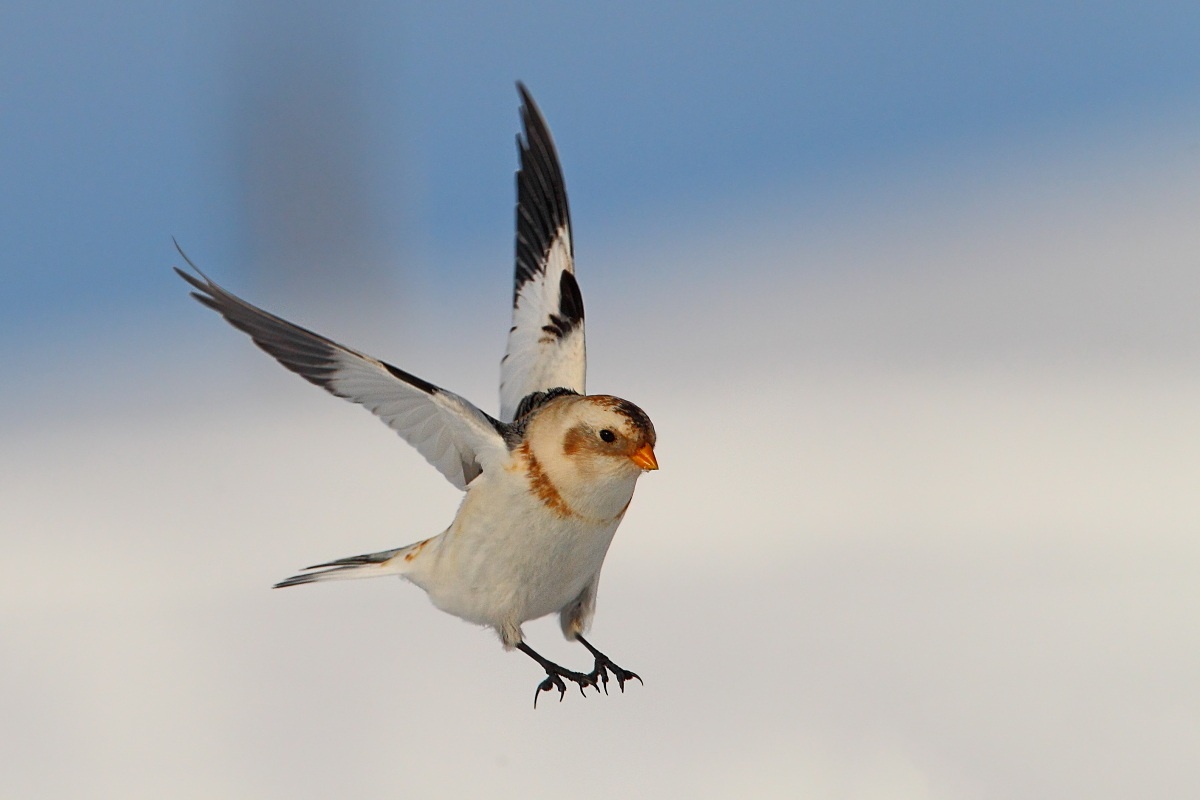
(546, 343)
(450, 432)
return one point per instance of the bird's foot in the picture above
(555, 675)
(554, 680)
(605, 665)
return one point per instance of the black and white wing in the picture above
(545, 344)
(450, 432)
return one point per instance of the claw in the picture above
(555, 675)
(604, 665)
(552, 682)
(601, 674)
(625, 675)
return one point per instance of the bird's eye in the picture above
(608, 435)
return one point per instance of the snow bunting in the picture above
(546, 484)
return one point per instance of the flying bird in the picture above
(547, 483)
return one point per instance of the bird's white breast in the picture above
(518, 549)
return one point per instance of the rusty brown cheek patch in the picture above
(542, 487)
(574, 442)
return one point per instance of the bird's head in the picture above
(594, 448)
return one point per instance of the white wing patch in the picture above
(546, 347)
(451, 433)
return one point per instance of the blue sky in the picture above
(128, 123)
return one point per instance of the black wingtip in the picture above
(534, 122)
(526, 97)
(295, 580)
(183, 255)
(542, 212)
(191, 264)
(531, 115)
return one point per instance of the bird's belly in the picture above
(520, 567)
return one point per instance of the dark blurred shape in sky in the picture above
(301, 149)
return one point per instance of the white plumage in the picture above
(547, 483)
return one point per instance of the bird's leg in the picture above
(604, 665)
(555, 674)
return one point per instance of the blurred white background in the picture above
(910, 293)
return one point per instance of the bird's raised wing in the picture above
(450, 432)
(545, 344)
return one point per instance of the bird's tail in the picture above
(371, 565)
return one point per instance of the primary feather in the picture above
(451, 433)
(546, 342)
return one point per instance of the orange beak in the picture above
(644, 457)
